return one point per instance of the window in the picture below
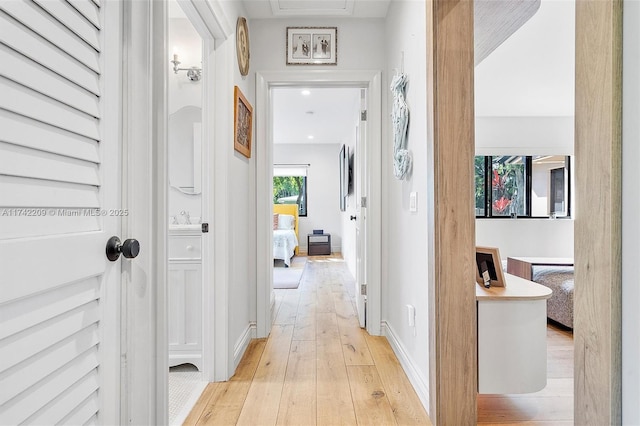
(290, 187)
(522, 186)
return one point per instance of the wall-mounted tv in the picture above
(344, 176)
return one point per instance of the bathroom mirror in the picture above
(185, 149)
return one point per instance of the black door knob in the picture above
(353, 218)
(129, 249)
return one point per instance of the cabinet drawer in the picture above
(319, 239)
(185, 247)
(319, 249)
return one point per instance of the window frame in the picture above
(304, 192)
(488, 192)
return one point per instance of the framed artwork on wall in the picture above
(312, 45)
(242, 123)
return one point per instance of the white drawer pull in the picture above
(189, 248)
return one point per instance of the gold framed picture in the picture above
(489, 267)
(242, 123)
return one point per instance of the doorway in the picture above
(264, 189)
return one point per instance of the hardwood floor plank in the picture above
(325, 300)
(288, 309)
(206, 399)
(263, 398)
(524, 409)
(249, 363)
(305, 324)
(406, 405)
(226, 404)
(369, 397)
(551, 423)
(327, 328)
(298, 402)
(354, 343)
(335, 406)
(343, 305)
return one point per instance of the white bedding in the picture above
(284, 244)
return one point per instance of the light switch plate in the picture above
(413, 202)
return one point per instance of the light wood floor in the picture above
(317, 366)
(551, 406)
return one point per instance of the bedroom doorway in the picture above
(266, 84)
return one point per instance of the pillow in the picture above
(275, 221)
(286, 221)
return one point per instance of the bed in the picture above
(285, 232)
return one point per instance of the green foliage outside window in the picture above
(291, 190)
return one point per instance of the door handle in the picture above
(352, 218)
(129, 249)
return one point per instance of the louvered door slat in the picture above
(21, 407)
(18, 382)
(26, 162)
(23, 131)
(88, 9)
(16, 36)
(44, 81)
(31, 342)
(23, 314)
(72, 19)
(54, 32)
(84, 413)
(37, 193)
(24, 101)
(55, 411)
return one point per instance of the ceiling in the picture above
(314, 115)
(530, 74)
(262, 9)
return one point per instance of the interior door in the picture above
(361, 214)
(60, 193)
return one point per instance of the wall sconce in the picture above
(193, 73)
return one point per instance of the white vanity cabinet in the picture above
(185, 295)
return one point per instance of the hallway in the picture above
(317, 366)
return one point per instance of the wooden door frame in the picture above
(597, 365)
(264, 181)
(598, 234)
(451, 239)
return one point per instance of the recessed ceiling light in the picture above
(310, 137)
(306, 92)
(309, 112)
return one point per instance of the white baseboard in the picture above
(421, 387)
(243, 342)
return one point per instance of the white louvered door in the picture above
(60, 133)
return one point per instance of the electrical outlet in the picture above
(411, 315)
(413, 202)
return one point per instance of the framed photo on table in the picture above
(489, 267)
(242, 123)
(312, 45)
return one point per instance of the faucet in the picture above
(185, 216)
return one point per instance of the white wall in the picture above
(526, 136)
(360, 43)
(238, 183)
(524, 103)
(404, 234)
(323, 184)
(527, 237)
(630, 208)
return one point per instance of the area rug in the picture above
(288, 277)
